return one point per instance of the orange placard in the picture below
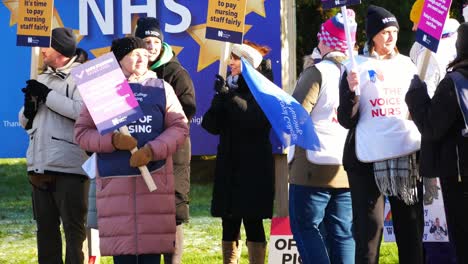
(226, 20)
(34, 22)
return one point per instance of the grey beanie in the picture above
(64, 41)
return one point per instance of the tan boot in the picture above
(176, 257)
(230, 252)
(256, 252)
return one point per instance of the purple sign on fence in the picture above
(327, 4)
(106, 93)
(432, 23)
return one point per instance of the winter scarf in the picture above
(166, 56)
(398, 177)
(232, 82)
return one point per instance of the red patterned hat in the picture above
(332, 32)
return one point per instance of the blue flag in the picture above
(289, 120)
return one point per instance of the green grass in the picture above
(202, 234)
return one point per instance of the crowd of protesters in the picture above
(386, 130)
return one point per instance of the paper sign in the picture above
(389, 235)
(327, 4)
(435, 224)
(34, 23)
(431, 24)
(226, 20)
(106, 93)
(283, 248)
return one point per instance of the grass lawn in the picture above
(202, 234)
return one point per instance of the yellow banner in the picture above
(227, 15)
(35, 17)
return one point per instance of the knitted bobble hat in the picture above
(123, 46)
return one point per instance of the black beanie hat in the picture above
(123, 46)
(462, 41)
(148, 27)
(64, 41)
(378, 18)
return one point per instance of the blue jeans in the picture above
(308, 208)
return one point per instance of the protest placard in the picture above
(106, 93)
(431, 24)
(435, 223)
(327, 4)
(109, 99)
(283, 248)
(34, 23)
(226, 20)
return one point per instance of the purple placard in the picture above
(432, 22)
(327, 4)
(106, 93)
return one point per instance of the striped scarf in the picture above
(398, 177)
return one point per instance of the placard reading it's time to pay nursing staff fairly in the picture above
(226, 20)
(431, 24)
(106, 93)
(34, 23)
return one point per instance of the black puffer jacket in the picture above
(176, 75)
(244, 177)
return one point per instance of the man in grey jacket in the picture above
(59, 185)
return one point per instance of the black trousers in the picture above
(62, 199)
(253, 229)
(456, 204)
(368, 218)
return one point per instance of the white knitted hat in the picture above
(247, 52)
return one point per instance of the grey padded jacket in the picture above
(51, 142)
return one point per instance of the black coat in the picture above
(244, 173)
(440, 122)
(177, 76)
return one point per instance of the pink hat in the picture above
(332, 32)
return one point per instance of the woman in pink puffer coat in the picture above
(136, 225)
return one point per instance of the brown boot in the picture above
(256, 252)
(230, 252)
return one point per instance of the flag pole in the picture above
(223, 59)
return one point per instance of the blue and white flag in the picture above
(289, 120)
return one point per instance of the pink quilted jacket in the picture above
(132, 220)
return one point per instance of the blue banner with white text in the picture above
(97, 23)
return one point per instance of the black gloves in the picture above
(30, 105)
(416, 83)
(220, 85)
(38, 89)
